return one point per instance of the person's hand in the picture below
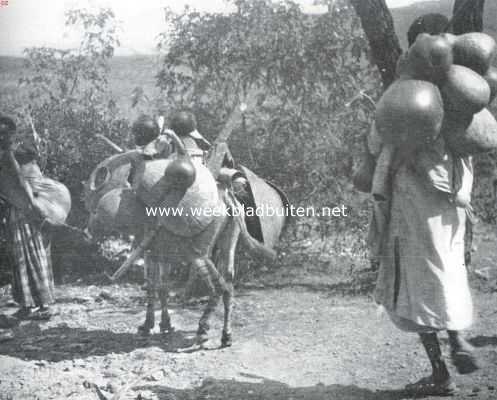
(37, 215)
(460, 199)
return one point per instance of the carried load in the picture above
(445, 84)
(187, 194)
(52, 198)
(170, 188)
(456, 69)
(24, 186)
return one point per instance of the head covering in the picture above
(433, 24)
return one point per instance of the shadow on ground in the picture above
(64, 343)
(266, 389)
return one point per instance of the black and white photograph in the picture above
(248, 199)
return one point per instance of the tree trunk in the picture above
(377, 23)
(467, 16)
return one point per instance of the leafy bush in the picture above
(67, 96)
(307, 72)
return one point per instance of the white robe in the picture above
(422, 280)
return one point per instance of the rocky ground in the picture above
(290, 342)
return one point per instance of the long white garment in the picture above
(422, 281)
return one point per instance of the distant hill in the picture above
(128, 72)
(10, 72)
(403, 16)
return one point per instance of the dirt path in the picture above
(289, 344)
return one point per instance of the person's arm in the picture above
(160, 146)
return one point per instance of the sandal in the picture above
(40, 315)
(428, 387)
(464, 361)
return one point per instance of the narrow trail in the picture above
(289, 343)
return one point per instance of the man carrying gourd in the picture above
(420, 216)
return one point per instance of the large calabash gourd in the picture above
(180, 173)
(118, 210)
(409, 113)
(465, 91)
(168, 184)
(111, 173)
(470, 136)
(154, 180)
(158, 182)
(474, 50)
(491, 78)
(429, 58)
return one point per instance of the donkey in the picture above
(210, 253)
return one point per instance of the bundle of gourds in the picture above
(445, 84)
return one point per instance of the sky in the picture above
(27, 23)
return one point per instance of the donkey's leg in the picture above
(201, 265)
(202, 247)
(151, 276)
(165, 323)
(225, 262)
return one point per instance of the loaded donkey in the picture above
(178, 169)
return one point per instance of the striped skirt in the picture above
(33, 282)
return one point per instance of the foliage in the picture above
(68, 99)
(307, 73)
